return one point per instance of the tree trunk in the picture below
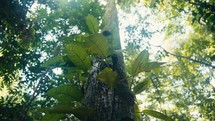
(110, 104)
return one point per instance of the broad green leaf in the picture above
(150, 66)
(54, 61)
(66, 93)
(78, 55)
(137, 112)
(157, 115)
(92, 24)
(44, 110)
(108, 77)
(52, 117)
(70, 72)
(68, 63)
(141, 86)
(76, 38)
(142, 63)
(81, 113)
(98, 44)
(142, 58)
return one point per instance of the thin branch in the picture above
(37, 88)
(157, 91)
(188, 58)
(34, 95)
(185, 57)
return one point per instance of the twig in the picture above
(185, 57)
(37, 88)
(34, 95)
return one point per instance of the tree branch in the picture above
(34, 95)
(188, 58)
(37, 88)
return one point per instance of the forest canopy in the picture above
(107, 60)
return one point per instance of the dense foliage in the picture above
(38, 38)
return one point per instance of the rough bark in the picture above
(110, 104)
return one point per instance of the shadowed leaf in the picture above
(141, 86)
(81, 113)
(52, 117)
(66, 93)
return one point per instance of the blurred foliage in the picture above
(185, 83)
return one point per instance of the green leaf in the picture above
(66, 93)
(142, 63)
(54, 61)
(150, 66)
(70, 72)
(78, 55)
(141, 86)
(142, 58)
(81, 113)
(98, 44)
(92, 24)
(76, 38)
(137, 112)
(157, 115)
(108, 77)
(52, 117)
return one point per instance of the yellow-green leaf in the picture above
(141, 86)
(98, 44)
(157, 115)
(150, 66)
(92, 24)
(66, 93)
(108, 77)
(137, 112)
(70, 72)
(142, 58)
(54, 61)
(78, 55)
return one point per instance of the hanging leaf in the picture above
(54, 61)
(108, 77)
(81, 113)
(141, 86)
(137, 112)
(98, 44)
(157, 115)
(150, 66)
(78, 55)
(142, 63)
(142, 58)
(92, 24)
(66, 93)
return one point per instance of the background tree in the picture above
(191, 61)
